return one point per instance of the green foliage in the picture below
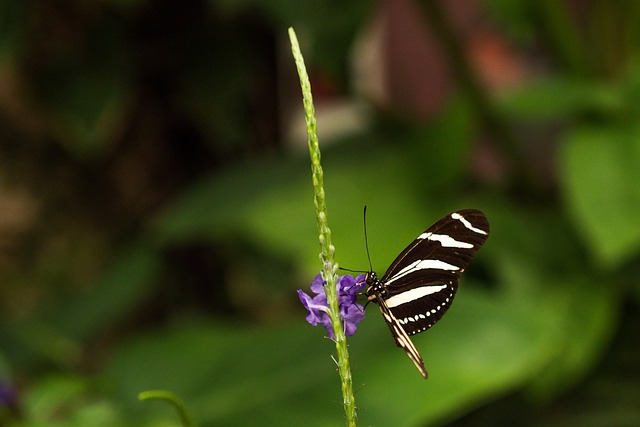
(141, 146)
(605, 196)
(67, 401)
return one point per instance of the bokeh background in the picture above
(156, 210)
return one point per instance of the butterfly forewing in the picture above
(421, 283)
(449, 240)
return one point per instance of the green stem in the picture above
(174, 400)
(329, 266)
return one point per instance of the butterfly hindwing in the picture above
(402, 339)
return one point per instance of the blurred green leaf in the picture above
(439, 150)
(113, 294)
(57, 336)
(579, 312)
(67, 401)
(587, 312)
(579, 307)
(559, 98)
(485, 346)
(601, 172)
(232, 375)
(270, 203)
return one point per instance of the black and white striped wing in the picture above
(401, 337)
(421, 283)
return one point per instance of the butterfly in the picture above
(420, 284)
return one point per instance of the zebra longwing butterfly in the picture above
(421, 283)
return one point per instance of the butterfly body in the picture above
(420, 284)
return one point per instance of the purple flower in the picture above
(350, 311)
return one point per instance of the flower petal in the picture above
(351, 316)
(317, 285)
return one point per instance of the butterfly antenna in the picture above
(366, 239)
(351, 271)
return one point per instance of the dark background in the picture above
(156, 208)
